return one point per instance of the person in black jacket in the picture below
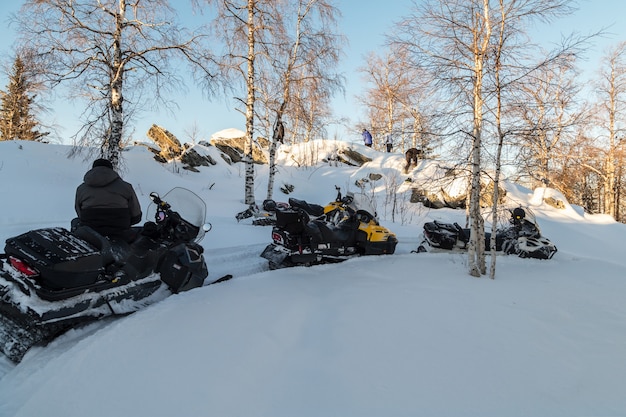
(280, 132)
(106, 203)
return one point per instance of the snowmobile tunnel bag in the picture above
(62, 259)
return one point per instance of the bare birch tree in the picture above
(306, 49)
(498, 84)
(456, 40)
(385, 75)
(245, 28)
(511, 71)
(548, 108)
(396, 97)
(271, 49)
(311, 109)
(109, 53)
(611, 92)
(453, 38)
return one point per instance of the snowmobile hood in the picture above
(100, 176)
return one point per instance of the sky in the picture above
(399, 335)
(364, 24)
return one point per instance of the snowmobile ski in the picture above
(225, 278)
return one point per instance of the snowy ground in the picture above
(400, 335)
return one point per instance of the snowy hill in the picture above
(399, 335)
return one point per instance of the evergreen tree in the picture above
(16, 118)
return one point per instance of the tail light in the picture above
(23, 267)
(277, 237)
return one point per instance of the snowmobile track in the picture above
(17, 339)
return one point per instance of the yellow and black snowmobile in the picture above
(347, 227)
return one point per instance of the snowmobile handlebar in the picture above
(348, 199)
(170, 223)
(156, 199)
(338, 198)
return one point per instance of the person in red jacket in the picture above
(106, 203)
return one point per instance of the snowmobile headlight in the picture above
(23, 267)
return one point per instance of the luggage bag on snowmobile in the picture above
(63, 259)
(183, 268)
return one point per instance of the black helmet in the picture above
(518, 214)
(269, 205)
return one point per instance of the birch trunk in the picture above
(476, 250)
(249, 160)
(111, 148)
(496, 179)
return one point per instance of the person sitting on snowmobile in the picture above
(106, 203)
(521, 225)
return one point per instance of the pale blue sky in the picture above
(364, 23)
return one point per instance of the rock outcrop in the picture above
(235, 148)
(170, 147)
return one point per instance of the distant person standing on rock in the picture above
(367, 138)
(280, 132)
(389, 142)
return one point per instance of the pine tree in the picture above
(16, 118)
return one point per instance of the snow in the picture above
(230, 133)
(399, 335)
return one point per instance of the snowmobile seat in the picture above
(463, 235)
(314, 210)
(111, 250)
(441, 235)
(323, 232)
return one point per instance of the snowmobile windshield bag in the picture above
(183, 268)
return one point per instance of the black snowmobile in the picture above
(54, 279)
(309, 234)
(521, 237)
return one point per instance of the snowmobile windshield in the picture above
(526, 224)
(362, 202)
(528, 216)
(187, 204)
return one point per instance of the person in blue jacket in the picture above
(367, 138)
